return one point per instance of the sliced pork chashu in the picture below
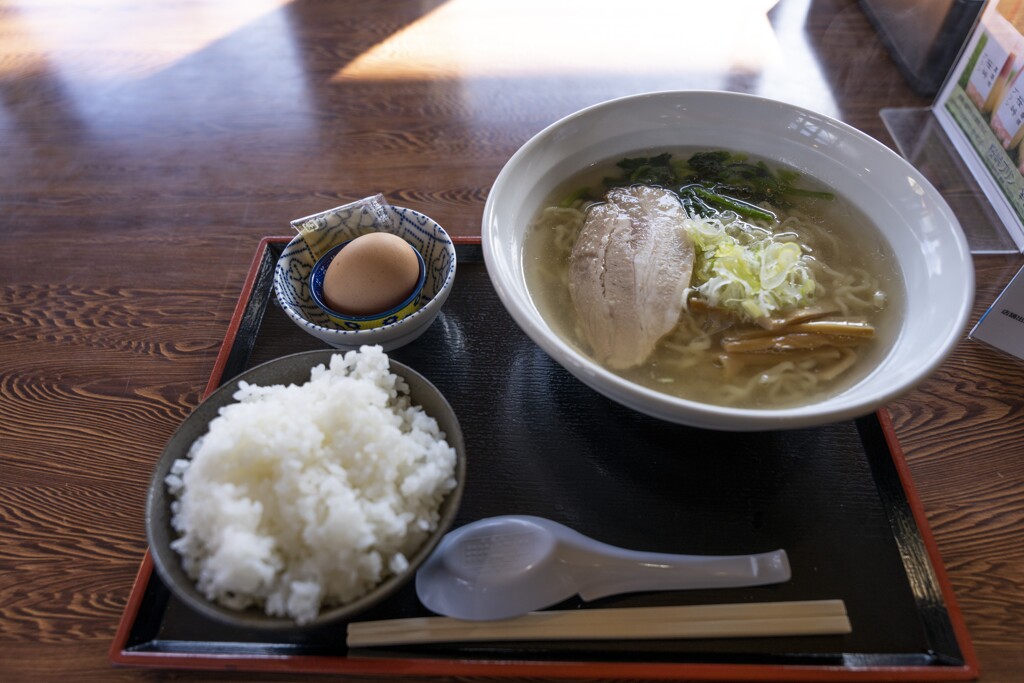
(628, 272)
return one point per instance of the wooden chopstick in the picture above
(807, 617)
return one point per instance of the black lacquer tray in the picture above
(838, 498)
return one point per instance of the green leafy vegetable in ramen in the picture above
(725, 176)
(733, 175)
(656, 170)
(701, 201)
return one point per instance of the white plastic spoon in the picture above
(503, 567)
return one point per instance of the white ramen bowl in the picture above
(930, 248)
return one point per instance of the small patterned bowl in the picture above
(295, 266)
(410, 305)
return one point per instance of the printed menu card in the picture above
(1002, 326)
(981, 109)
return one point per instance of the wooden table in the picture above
(147, 147)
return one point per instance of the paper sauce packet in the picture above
(329, 228)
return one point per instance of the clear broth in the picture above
(838, 235)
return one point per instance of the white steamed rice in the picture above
(306, 496)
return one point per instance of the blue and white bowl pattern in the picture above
(293, 269)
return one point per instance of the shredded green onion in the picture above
(744, 270)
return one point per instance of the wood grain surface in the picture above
(146, 148)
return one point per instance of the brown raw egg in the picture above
(372, 274)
